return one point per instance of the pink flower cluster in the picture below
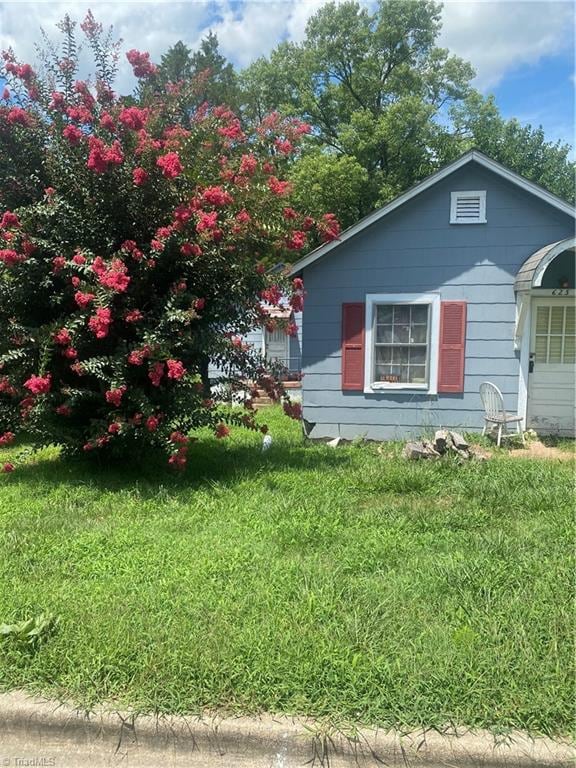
(328, 227)
(19, 116)
(73, 134)
(62, 337)
(277, 187)
(113, 276)
(155, 373)
(102, 157)
(139, 176)
(141, 64)
(137, 356)
(7, 438)
(134, 118)
(216, 196)
(296, 241)
(175, 369)
(39, 385)
(10, 257)
(9, 220)
(99, 323)
(83, 299)
(114, 396)
(170, 165)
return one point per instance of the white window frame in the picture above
(375, 299)
(481, 194)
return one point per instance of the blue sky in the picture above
(522, 50)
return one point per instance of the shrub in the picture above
(139, 255)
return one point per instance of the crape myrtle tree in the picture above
(142, 254)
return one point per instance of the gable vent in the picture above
(468, 207)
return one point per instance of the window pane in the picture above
(383, 355)
(555, 353)
(557, 320)
(541, 349)
(417, 355)
(401, 334)
(420, 313)
(384, 314)
(569, 349)
(383, 372)
(383, 334)
(542, 319)
(570, 319)
(401, 313)
(419, 334)
(417, 374)
(400, 354)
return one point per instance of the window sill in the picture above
(387, 387)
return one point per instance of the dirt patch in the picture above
(537, 450)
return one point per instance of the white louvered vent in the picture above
(468, 207)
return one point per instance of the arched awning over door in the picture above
(532, 271)
(530, 276)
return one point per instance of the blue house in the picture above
(467, 277)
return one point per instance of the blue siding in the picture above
(415, 250)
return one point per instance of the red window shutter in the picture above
(353, 346)
(452, 346)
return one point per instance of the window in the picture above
(555, 335)
(468, 207)
(401, 341)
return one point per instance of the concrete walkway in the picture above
(41, 733)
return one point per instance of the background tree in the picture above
(176, 64)
(478, 123)
(372, 85)
(377, 90)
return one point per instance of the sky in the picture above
(522, 50)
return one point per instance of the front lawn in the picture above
(331, 582)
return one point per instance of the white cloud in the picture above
(245, 30)
(496, 36)
(500, 36)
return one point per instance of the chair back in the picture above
(492, 400)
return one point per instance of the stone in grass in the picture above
(420, 450)
(458, 441)
(441, 440)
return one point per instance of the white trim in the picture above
(524, 359)
(522, 304)
(432, 299)
(559, 248)
(480, 195)
(286, 345)
(469, 157)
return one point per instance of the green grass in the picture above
(340, 583)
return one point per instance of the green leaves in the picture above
(31, 632)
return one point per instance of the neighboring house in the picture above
(467, 277)
(276, 345)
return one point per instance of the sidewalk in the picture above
(41, 733)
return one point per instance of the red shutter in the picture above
(353, 346)
(452, 346)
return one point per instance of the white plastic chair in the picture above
(495, 413)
